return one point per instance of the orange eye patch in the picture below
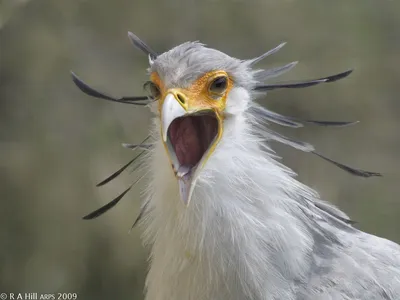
(209, 92)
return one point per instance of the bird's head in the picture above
(197, 89)
(198, 94)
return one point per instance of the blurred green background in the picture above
(56, 143)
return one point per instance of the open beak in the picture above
(190, 135)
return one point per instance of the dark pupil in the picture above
(219, 84)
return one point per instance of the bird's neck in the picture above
(240, 236)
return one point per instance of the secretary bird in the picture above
(223, 217)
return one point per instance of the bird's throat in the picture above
(191, 136)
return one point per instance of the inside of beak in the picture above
(188, 138)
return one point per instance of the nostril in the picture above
(181, 98)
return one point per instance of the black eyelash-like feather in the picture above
(107, 207)
(139, 217)
(123, 168)
(353, 171)
(306, 147)
(135, 146)
(330, 123)
(135, 100)
(111, 204)
(302, 84)
(292, 121)
(119, 171)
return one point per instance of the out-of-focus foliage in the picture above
(56, 143)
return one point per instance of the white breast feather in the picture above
(226, 244)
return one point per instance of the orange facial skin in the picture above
(198, 97)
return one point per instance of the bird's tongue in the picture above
(185, 138)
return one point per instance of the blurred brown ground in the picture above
(56, 143)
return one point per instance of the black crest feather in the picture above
(302, 84)
(135, 100)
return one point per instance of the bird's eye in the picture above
(152, 89)
(218, 85)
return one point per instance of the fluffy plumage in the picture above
(251, 231)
